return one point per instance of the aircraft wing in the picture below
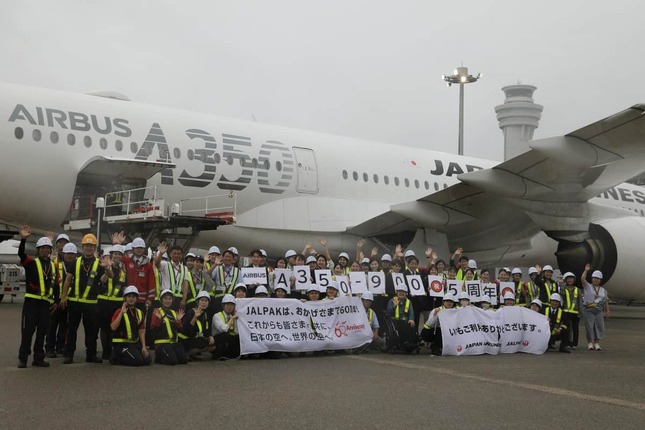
(546, 188)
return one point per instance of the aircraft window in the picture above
(436, 186)
(266, 165)
(416, 184)
(278, 166)
(71, 139)
(375, 178)
(103, 143)
(229, 160)
(133, 147)
(53, 136)
(445, 186)
(37, 135)
(407, 183)
(386, 179)
(18, 132)
(190, 154)
(176, 152)
(427, 185)
(87, 141)
(118, 145)
(355, 176)
(365, 177)
(396, 181)
(255, 163)
(218, 158)
(345, 175)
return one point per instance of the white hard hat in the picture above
(234, 250)
(401, 287)
(263, 253)
(537, 302)
(368, 296)
(44, 241)
(333, 285)
(409, 253)
(485, 298)
(556, 296)
(386, 257)
(106, 252)
(240, 285)
(567, 275)
(547, 268)
(190, 255)
(261, 290)
(128, 247)
(365, 261)
(70, 248)
(463, 296)
(130, 290)
(532, 270)
(516, 271)
(62, 236)
(312, 287)
(472, 264)
(166, 291)
(213, 250)
(343, 255)
(449, 298)
(204, 294)
(228, 298)
(310, 259)
(290, 253)
(280, 287)
(508, 296)
(596, 274)
(138, 243)
(118, 248)
(507, 269)
(165, 256)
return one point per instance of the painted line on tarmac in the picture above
(540, 388)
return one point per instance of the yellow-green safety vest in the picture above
(128, 328)
(90, 282)
(46, 292)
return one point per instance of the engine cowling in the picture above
(615, 247)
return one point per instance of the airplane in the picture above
(563, 202)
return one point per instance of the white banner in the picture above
(283, 277)
(303, 277)
(358, 282)
(473, 331)
(376, 282)
(288, 325)
(435, 286)
(415, 285)
(254, 275)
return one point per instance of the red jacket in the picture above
(142, 277)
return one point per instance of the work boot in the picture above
(68, 360)
(50, 354)
(40, 363)
(22, 364)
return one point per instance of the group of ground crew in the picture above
(183, 306)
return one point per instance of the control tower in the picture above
(518, 118)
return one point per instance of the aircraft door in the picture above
(307, 172)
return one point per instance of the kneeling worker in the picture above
(432, 329)
(129, 333)
(165, 325)
(195, 335)
(558, 322)
(227, 339)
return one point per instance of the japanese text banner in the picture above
(472, 331)
(289, 325)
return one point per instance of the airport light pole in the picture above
(461, 77)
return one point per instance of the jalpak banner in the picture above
(472, 331)
(289, 325)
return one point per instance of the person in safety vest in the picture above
(431, 332)
(55, 339)
(571, 305)
(113, 282)
(558, 322)
(195, 335)
(80, 297)
(129, 333)
(166, 324)
(174, 274)
(227, 339)
(367, 299)
(40, 277)
(546, 284)
(226, 277)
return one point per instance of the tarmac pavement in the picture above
(594, 389)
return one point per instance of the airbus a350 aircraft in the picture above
(564, 201)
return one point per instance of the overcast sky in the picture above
(367, 69)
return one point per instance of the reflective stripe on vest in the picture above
(370, 316)
(231, 330)
(60, 269)
(518, 294)
(176, 285)
(192, 291)
(46, 292)
(529, 286)
(549, 291)
(558, 316)
(157, 282)
(571, 304)
(170, 330)
(202, 329)
(90, 282)
(407, 310)
(222, 281)
(113, 293)
(128, 328)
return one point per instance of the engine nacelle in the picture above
(615, 247)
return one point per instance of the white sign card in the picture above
(473, 289)
(415, 285)
(490, 289)
(323, 279)
(343, 286)
(358, 282)
(254, 275)
(453, 287)
(376, 282)
(283, 277)
(303, 277)
(435, 286)
(398, 279)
